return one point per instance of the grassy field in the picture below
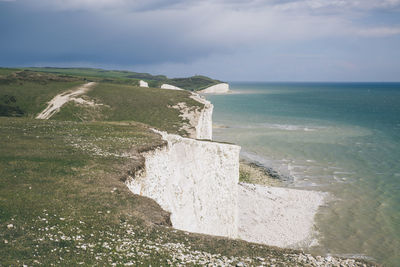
(24, 94)
(63, 179)
(7, 71)
(89, 72)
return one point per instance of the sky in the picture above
(230, 40)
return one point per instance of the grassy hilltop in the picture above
(24, 93)
(194, 83)
(63, 201)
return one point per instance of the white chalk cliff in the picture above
(198, 121)
(204, 122)
(143, 84)
(196, 181)
(170, 87)
(220, 88)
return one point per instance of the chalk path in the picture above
(59, 100)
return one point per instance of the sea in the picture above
(340, 138)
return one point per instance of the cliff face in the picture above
(198, 121)
(204, 122)
(220, 88)
(196, 181)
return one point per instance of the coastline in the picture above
(85, 169)
(271, 213)
(350, 157)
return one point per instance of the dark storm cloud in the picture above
(236, 39)
(82, 36)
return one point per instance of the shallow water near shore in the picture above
(341, 138)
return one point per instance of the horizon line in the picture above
(233, 81)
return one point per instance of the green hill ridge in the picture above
(194, 83)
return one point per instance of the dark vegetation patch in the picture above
(33, 76)
(194, 83)
(8, 107)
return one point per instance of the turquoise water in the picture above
(341, 138)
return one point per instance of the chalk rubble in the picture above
(277, 216)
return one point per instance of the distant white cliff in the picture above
(170, 87)
(220, 88)
(194, 180)
(143, 84)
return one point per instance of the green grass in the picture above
(89, 72)
(31, 97)
(66, 170)
(244, 176)
(7, 71)
(131, 103)
(28, 92)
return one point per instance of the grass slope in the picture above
(26, 93)
(131, 103)
(65, 177)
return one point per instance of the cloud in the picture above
(140, 5)
(379, 31)
(95, 5)
(178, 34)
(230, 22)
(223, 25)
(337, 5)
